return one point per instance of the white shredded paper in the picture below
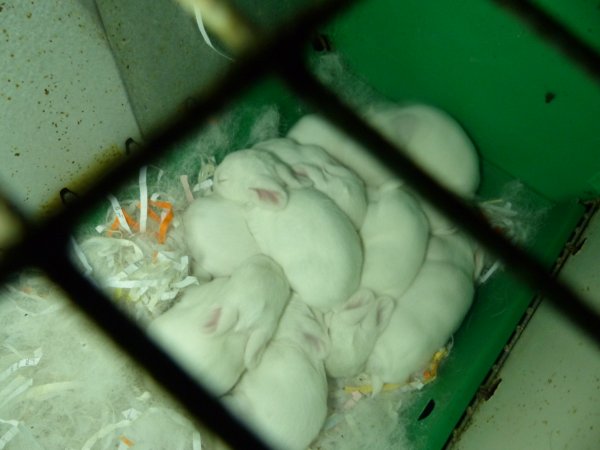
(204, 33)
(119, 213)
(10, 434)
(130, 415)
(143, 199)
(25, 362)
(135, 265)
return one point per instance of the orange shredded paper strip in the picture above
(164, 220)
(164, 226)
(128, 442)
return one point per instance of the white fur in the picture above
(217, 236)
(353, 331)
(395, 236)
(434, 140)
(292, 153)
(315, 130)
(339, 183)
(254, 177)
(219, 329)
(315, 243)
(438, 144)
(428, 313)
(285, 397)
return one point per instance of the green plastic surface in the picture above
(530, 112)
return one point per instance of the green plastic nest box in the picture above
(532, 115)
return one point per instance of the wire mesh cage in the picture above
(274, 64)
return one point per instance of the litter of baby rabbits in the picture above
(332, 265)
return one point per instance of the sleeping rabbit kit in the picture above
(299, 279)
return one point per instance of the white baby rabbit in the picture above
(353, 330)
(438, 144)
(395, 236)
(292, 153)
(220, 328)
(316, 245)
(217, 236)
(428, 313)
(339, 183)
(251, 177)
(285, 397)
(314, 129)
(434, 140)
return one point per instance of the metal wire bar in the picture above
(13, 223)
(555, 33)
(523, 265)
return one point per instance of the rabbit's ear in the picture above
(337, 170)
(316, 344)
(255, 347)
(294, 177)
(357, 307)
(220, 320)
(267, 193)
(385, 307)
(307, 173)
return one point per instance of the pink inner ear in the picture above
(312, 340)
(300, 172)
(354, 304)
(267, 196)
(383, 313)
(380, 317)
(359, 299)
(210, 326)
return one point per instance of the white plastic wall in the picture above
(63, 107)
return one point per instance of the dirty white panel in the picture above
(549, 396)
(63, 108)
(161, 55)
